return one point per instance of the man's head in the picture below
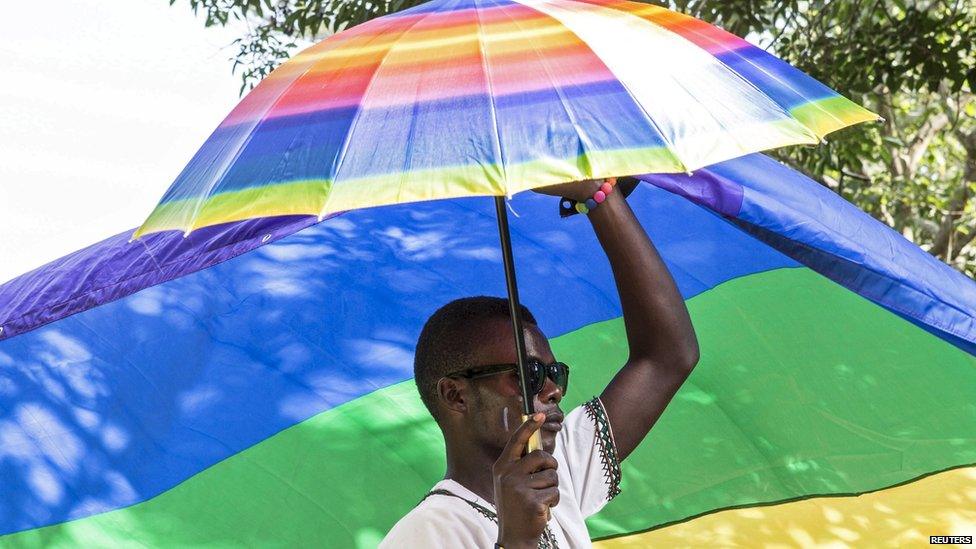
(470, 333)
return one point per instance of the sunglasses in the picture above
(538, 372)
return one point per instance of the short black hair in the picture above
(449, 341)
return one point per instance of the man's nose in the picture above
(551, 393)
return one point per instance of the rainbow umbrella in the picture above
(488, 98)
(459, 98)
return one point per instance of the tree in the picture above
(913, 61)
(915, 64)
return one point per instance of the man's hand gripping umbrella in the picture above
(526, 487)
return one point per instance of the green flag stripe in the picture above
(803, 388)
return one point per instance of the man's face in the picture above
(496, 400)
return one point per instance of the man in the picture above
(494, 494)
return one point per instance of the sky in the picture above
(102, 103)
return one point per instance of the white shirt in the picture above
(589, 477)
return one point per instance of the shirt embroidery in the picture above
(608, 449)
(546, 541)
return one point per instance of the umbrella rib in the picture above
(732, 135)
(563, 102)
(483, 54)
(647, 116)
(752, 84)
(240, 148)
(341, 157)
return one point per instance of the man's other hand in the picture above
(525, 488)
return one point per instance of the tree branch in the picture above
(947, 229)
(963, 240)
(920, 143)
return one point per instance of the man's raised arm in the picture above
(663, 346)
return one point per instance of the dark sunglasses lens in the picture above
(537, 377)
(560, 375)
(557, 372)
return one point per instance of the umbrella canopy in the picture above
(491, 97)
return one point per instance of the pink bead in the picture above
(599, 197)
(606, 188)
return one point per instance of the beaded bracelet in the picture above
(598, 197)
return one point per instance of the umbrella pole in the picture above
(515, 310)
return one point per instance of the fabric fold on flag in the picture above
(816, 227)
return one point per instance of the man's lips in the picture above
(554, 422)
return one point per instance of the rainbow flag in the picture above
(250, 384)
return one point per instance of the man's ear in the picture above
(453, 394)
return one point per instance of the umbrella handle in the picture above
(535, 440)
(515, 310)
(514, 307)
(535, 443)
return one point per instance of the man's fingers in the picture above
(547, 478)
(516, 445)
(537, 460)
(549, 496)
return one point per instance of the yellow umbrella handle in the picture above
(535, 441)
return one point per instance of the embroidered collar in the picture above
(546, 541)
